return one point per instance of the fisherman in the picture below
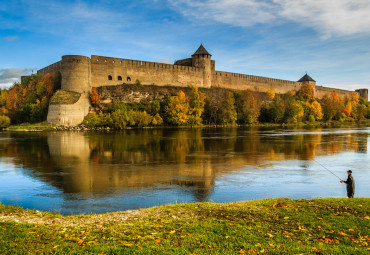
(350, 183)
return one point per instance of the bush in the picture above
(120, 119)
(139, 119)
(91, 120)
(4, 122)
(157, 120)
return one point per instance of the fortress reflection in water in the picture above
(103, 163)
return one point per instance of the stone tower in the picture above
(307, 79)
(202, 59)
(76, 74)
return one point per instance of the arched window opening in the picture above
(119, 78)
(114, 61)
(110, 77)
(128, 78)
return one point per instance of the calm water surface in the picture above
(83, 172)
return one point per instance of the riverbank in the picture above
(271, 226)
(44, 126)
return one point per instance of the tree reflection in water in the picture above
(102, 163)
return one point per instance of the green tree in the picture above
(359, 112)
(274, 111)
(120, 118)
(140, 119)
(293, 111)
(228, 113)
(4, 121)
(196, 104)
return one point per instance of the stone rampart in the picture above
(106, 71)
(52, 69)
(236, 81)
(322, 91)
(80, 74)
(69, 114)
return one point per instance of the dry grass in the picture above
(65, 97)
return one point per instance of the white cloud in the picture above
(10, 75)
(328, 17)
(234, 12)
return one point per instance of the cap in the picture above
(350, 171)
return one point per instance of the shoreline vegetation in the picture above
(28, 102)
(267, 226)
(45, 126)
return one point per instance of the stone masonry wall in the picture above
(107, 71)
(69, 114)
(52, 69)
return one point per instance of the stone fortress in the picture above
(80, 74)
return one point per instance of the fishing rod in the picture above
(328, 169)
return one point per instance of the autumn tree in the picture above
(94, 97)
(228, 113)
(313, 111)
(307, 92)
(332, 106)
(293, 111)
(251, 105)
(196, 104)
(3, 96)
(178, 110)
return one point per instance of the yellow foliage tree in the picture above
(313, 111)
(196, 104)
(307, 92)
(178, 109)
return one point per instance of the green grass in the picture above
(42, 126)
(270, 226)
(65, 97)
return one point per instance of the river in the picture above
(96, 172)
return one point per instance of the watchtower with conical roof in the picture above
(307, 79)
(202, 60)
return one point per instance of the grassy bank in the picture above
(271, 226)
(44, 126)
(41, 126)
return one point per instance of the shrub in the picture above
(139, 119)
(94, 97)
(4, 122)
(157, 120)
(120, 119)
(91, 120)
(228, 113)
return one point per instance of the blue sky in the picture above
(330, 39)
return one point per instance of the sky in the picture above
(283, 39)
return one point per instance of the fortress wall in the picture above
(52, 69)
(322, 91)
(236, 81)
(146, 72)
(69, 114)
